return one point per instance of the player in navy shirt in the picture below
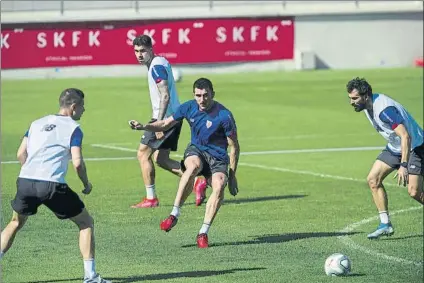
(213, 129)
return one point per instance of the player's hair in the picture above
(203, 83)
(143, 40)
(70, 96)
(363, 87)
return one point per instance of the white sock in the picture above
(205, 228)
(384, 217)
(175, 211)
(150, 191)
(89, 268)
(1, 255)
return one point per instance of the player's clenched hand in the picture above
(87, 189)
(232, 185)
(135, 125)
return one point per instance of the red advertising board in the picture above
(181, 41)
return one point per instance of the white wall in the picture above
(362, 40)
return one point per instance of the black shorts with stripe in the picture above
(58, 197)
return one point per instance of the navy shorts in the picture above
(210, 164)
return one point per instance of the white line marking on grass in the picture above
(115, 147)
(304, 136)
(87, 159)
(287, 170)
(288, 151)
(312, 150)
(303, 172)
(350, 243)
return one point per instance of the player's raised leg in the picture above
(163, 160)
(144, 156)
(218, 183)
(193, 166)
(379, 171)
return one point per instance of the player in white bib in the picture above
(157, 146)
(45, 151)
(404, 151)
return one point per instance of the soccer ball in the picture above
(337, 265)
(177, 75)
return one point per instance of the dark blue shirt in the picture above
(209, 129)
(391, 116)
(159, 73)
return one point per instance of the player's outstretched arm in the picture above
(22, 151)
(157, 126)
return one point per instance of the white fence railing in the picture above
(137, 6)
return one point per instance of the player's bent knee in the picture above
(192, 164)
(373, 182)
(219, 181)
(143, 155)
(413, 190)
(83, 220)
(18, 221)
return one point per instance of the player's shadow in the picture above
(280, 238)
(403, 238)
(187, 274)
(230, 200)
(355, 275)
(259, 199)
(163, 276)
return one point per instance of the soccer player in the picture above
(212, 129)
(44, 154)
(404, 151)
(164, 99)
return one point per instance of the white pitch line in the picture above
(288, 151)
(280, 169)
(115, 147)
(350, 243)
(303, 172)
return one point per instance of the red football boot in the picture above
(147, 203)
(200, 188)
(202, 241)
(167, 224)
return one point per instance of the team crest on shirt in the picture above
(208, 124)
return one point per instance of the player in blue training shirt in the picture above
(404, 151)
(213, 129)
